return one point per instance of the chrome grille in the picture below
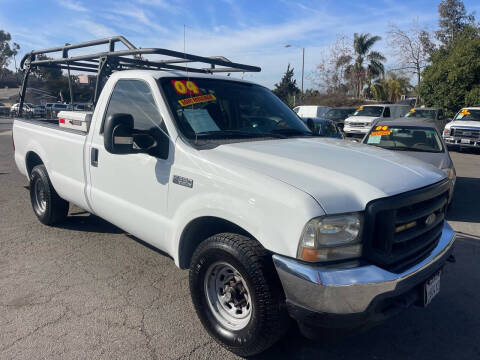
(465, 133)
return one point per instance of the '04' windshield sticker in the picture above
(381, 130)
(186, 87)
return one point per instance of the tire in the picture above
(50, 208)
(264, 300)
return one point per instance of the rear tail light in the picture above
(61, 121)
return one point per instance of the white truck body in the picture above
(360, 125)
(463, 132)
(270, 189)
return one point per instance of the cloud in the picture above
(72, 5)
(140, 16)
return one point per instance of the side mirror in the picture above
(120, 138)
(118, 134)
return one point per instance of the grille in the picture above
(358, 124)
(465, 133)
(402, 230)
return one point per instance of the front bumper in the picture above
(353, 130)
(354, 295)
(457, 141)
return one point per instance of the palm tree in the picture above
(368, 64)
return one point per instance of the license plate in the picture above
(431, 288)
(465, 141)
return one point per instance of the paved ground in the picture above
(87, 290)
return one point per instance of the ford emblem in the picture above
(430, 219)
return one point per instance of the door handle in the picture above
(94, 157)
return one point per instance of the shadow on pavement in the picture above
(89, 223)
(447, 329)
(466, 200)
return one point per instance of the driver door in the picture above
(130, 190)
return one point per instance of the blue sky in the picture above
(253, 32)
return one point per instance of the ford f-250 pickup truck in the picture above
(271, 220)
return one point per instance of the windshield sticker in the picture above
(381, 130)
(360, 108)
(412, 111)
(184, 87)
(200, 120)
(197, 99)
(374, 139)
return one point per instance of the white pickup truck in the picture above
(464, 130)
(271, 220)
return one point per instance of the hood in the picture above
(466, 123)
(342, 176)
(439, 160)
(362, 118)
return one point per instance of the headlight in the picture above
(332, 237)
(450, 173)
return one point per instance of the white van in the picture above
(311, 111)
(361, 121)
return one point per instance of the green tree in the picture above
(453, 78)
(453, 18)
(367, 63)
(287, 88)
(7, 51)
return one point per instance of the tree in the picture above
(453, 78)
(453, 19)
(329, 74)
(7, 50)
(287, 89)
(412, 47)
(390, 88)
(357, 72)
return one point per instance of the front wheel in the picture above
(237, 294)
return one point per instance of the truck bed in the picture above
(61, 150)
(52, 124)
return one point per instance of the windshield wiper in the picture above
(293, 132)
(240, 133)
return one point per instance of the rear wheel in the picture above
(237, 294)
(47, 205)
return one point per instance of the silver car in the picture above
(420, 139)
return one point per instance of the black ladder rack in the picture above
(106, 62)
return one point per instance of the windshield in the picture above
(374, 111)
(405, 138)
(421, 113)
(336, 114)
(207, 109)
(468, 115)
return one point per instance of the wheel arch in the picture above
(32, 159)
(198, 230)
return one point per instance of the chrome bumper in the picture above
(456, 141)
(349, 290)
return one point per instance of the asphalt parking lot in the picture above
(88, 290)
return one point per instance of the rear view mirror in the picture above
(118, 134)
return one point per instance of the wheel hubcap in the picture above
(40, 196)
(228, 296)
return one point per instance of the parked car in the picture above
(417, 138)
(339, 114)
(464, 130)
(28, 110)
(323, 127)
(434, 116)
(52, 109)
(363, 119)
(311, 111)
(221, 175)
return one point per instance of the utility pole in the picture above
(303, 61)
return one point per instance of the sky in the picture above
(252, 32)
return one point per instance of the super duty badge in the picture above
(183, 181)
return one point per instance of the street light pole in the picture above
(303, 60)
